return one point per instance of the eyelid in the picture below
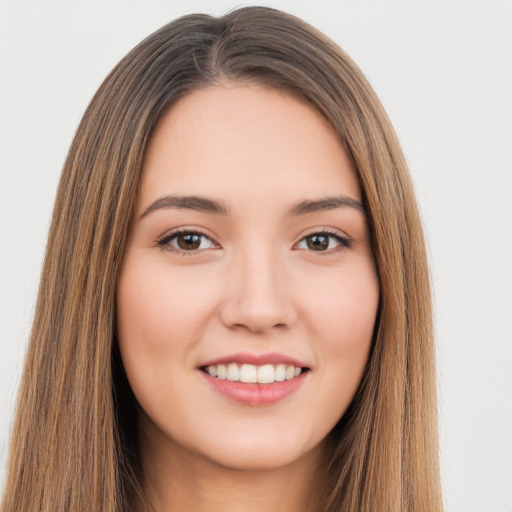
(345, 242)
(164, 241)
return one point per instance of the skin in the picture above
(254, 285)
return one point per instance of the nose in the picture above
(257, 295)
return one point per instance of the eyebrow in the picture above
(203, 204)
(326, 203)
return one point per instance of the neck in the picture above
(176, 480)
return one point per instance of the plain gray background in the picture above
(443, 70)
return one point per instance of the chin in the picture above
(263, 454)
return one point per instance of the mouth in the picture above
(254, 374)
(255, 379)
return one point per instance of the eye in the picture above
(323, 242)
(186, 241)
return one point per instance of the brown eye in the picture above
(186, 241)
(323, 242)
(317, 242)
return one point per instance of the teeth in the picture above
(221, 371)
(280, 373)
(249, 373)
(233, 372)
(266, 374)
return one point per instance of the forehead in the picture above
(233, 141)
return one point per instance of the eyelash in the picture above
(344, 242)
(164, 243)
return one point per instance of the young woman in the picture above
(234, 310)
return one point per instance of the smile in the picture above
(253, 374)
(255, 380)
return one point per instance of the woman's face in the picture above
(248, 258)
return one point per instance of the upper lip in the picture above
(256, 359)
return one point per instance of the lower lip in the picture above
(255, 394)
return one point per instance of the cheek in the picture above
(156, 305)
(345, 307)
(159, 320)
(342, 315)
(159, 324)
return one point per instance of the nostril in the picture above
(259, 305)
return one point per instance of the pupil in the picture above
(189, 241)
(318, 242)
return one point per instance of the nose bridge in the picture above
(257, 293)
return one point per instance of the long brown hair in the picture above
(74, 445)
